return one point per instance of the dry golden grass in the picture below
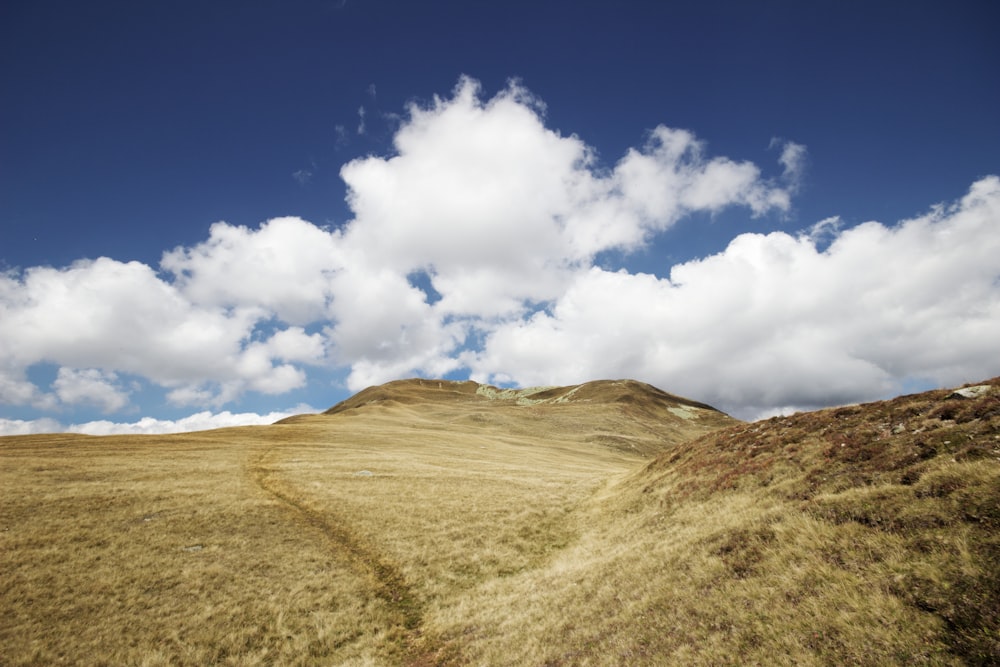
(164, 551)
(423, 523)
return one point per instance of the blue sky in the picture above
(214, 213)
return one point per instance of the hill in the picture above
(625, 415)
(425, 522)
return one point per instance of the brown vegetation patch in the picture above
(919, 475)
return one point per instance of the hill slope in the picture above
(425, 522)
(625, 415)
(866, 534)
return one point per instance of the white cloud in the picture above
(191, 394)
(109, 317)
(294, 344)
(30, 426)
(470, 185)
(774, 321)
(671, 178)
(199, 421)
(824, 231)
(501, 213)
(90, 386)
(113, 315)
(792, 159)
(386, 329)
(486, 184)
(16, 389)
(284, 267)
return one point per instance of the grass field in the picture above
(426, 523)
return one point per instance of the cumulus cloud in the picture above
(774, 321)
(112, 315)
(486, 184)
(472, 249)
(98, 318)
(90, 386)
(283, 267)
(502, 213)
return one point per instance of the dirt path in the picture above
(386, 580)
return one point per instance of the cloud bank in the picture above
(199, 421)
(473, 252)
(773, 322)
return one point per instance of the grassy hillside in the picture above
(426, 522)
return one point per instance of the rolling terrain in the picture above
(432, 522)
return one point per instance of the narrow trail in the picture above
(386, 580)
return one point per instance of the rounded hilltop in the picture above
(624, 415)
(419, 390)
